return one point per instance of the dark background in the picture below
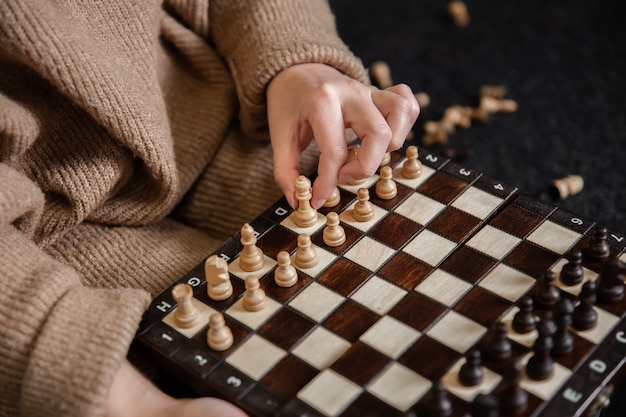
(564, 62)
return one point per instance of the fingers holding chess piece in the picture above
(187, 314)
(219, 336)
(334, 235)
(218, 286)
(285, 274)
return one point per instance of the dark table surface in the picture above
(564, 62)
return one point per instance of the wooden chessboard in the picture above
(372, 328)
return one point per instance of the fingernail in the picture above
(344, 179)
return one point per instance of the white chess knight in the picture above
(219, 286)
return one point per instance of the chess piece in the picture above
(254, 297)
(540, 365)
(563, 340)
(524, 320)
(186, 314)
(611, 281)
(572, 272)
(458, 12)
(285, 274)
(334, 235)
(485, 405)
(598, 249)
(219, 336)
(499, 347)
(218, 285)
(439, 404)
(412, 167)
(547, 293)
(513, 400)
(333, 199)
(386, 159)
(353, 152)
(568, 186)
(585, 316)
(381, 74)
(363, 209)
(306, 256)
(251, 257)
(305, 215)
(494, 91)
(471, 372)
(386, 187)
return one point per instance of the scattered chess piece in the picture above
(611, 281)
(540, 365)
(412, 167)
(513, 399)
(380, 74)
(458, 12)
(495, 91)
(306, 256)
(524, 320)
(563, 339)
(285, 274)
(386, 187)
(254, 297)
(423, 99)
(219, 336)
(568, 186)
(598, 249)
(333, 199)
(187, 314)
(585, 316)
(572, 272)
(499, 347)
(439, 404)
(251, 257)
(363, 209)
(485, 405)
(218, 286)
(547, 293)
(471, 372)
(457, 116)
(305, 215)
(334, 235)
(435, 133)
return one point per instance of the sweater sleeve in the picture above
(260, 38)
(62, 342)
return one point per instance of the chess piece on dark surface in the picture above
(547, 294)
(485, 405)
(524, 320)
(471, 372)
(513, 400)
(611, 281)
(585, 316)
(572, 272)
(598, 249)
(540, 365)
(439, 404)
(499, 346)
(563, 339)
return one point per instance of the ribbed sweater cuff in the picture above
(80, 348)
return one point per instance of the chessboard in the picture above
(458, 296)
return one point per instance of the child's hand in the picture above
(316, 101)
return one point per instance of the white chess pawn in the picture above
(254, 296)
(186, 314)
(353, 152)
(386, 187)
(333, 234)
(306, 256)
(219, 337)
(218, 282)
(251, 257)
(305, 215)
(386, 159)
(412, 167)
(363, 209)
(333, 199)
(285, 274)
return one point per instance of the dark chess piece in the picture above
(611, 281)
(547, 293)
(513, 400)
(499, 346)
(563, 339)
(439, 404)
(585, 316)
(524, 320)
(540, 365)
(572, 272)
(471, 372)
(485, 405)
(598, 249)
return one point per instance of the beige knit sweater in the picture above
(125, 158)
